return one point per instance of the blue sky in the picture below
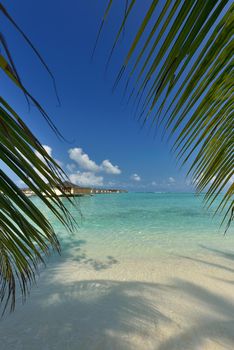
(106, 145)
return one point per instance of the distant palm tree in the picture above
(26, 235)
(179, 72)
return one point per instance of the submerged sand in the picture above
(166, 302)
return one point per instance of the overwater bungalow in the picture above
(70, 189)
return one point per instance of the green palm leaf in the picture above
(179, 67)
(26, 235)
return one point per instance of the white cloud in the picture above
(48, 149)
(171, 180)
(154, 183)
(59, 163)
(135, 177)
(82, 159)
(71, 167)
(110, 168)
(86, 179)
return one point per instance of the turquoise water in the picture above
(142, 225)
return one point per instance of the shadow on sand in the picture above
(75, 252)
(223, 254)
(103, 314)
(219, 329)
(92, 314)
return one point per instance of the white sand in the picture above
(165, 303)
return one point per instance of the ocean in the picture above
(143, 271)
(142, 226)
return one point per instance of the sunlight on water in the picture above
(144, 271)
(142, 225)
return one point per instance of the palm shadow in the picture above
(75, 251)
(219, 252)
(105, 314)
(206, 327)
(89, 314)
(216, 324)
(208, 263)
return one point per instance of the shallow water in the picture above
(144, 271)
(143, 225)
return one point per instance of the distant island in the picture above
(70, 189)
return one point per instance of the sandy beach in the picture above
(170, 302)
(116, 150)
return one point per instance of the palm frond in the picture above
(26, 235)
(179, 67)
(12, 21)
